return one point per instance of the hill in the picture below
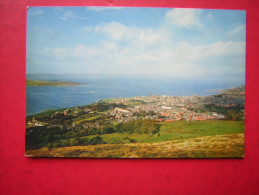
(218, 146)
(177, 139)
(234, 91)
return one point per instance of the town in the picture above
(160, 108)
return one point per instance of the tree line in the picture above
(56, 136)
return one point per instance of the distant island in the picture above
(50, 83)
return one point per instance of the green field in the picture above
(49, 83)
(83, 119)
(179, 139)
(179, 130)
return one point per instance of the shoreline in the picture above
(109, 100)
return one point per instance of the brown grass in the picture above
(218, 146)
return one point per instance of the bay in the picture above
(96, 88)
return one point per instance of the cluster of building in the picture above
(159, 108)
(35, 123)
(163, 108)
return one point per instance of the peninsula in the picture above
(50, 83)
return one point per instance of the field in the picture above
(49, 83)
(179, 139)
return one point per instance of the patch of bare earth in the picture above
(218, 146)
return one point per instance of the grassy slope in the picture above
(171, 133)
(218, 146)
(83, 119)
(49, 83)
(180, 130)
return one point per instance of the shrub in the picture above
(96, 140)
(133, 141)
(107, 130)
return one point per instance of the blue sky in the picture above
(160, 42)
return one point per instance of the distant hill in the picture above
(50, 83)
(234, 91)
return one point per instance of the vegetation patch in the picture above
(227, 146)
(50, 83)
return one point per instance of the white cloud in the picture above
(218, 49)
(67, 15)
(119, 32)
(186, 18)
(70, 15)
(180, 59)
(224, 48)
(113, 30)
(148, 51)
(87, 29)
(35, 13)
(97, 9)
(240, 30)
(57, 53)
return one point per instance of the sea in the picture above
(96, 88)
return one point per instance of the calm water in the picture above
(95, 89)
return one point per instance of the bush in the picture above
(96, 140)
(107, 130)
(84, 141)
(133, 141)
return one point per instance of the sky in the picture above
(150, 42)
